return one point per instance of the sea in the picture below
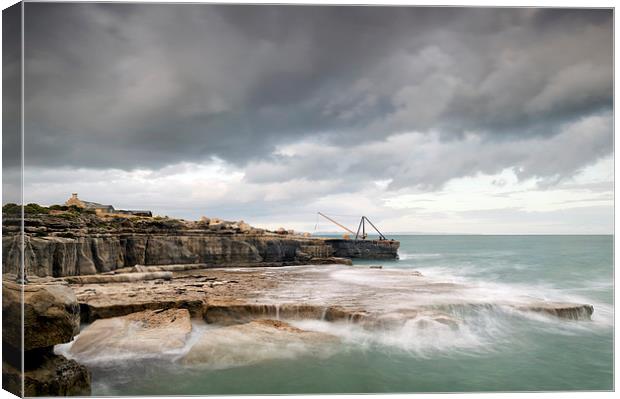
(494, 350)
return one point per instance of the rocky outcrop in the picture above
(59, 256)
(86, 244)
(47, 374)
(51, 316)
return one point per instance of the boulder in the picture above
(51, 315)
(244, 227)
(142, 333)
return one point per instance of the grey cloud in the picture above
(119, 85)
(11, 81)
(422, 161)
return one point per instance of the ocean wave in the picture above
(409, 256)
(483, 331)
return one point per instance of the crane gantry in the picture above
(361, 226)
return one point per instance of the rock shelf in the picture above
(232, 296)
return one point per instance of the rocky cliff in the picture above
(70, 244)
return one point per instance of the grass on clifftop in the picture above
(36, 209)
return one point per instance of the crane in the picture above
(336, 223)
(362, 227)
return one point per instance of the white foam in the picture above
(421, 336)
(410, 256)
(112, 355)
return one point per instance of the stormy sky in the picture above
(424, 119)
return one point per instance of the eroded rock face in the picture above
(60, 256)
(142, 333)
(51, 315)
(254, 342)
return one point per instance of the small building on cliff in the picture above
(97, 207)
(103, 209)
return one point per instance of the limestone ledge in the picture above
(220, 296)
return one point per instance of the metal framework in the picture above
(361, 226)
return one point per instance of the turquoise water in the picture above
(497, 351)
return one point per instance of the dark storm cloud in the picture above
(11, 87)
(114, 85)
(427, 162)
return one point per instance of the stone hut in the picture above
(104, 209)
(97, 207)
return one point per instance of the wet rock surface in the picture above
(146, 332)
(373, 297)
(572, 311)
(254, 342)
